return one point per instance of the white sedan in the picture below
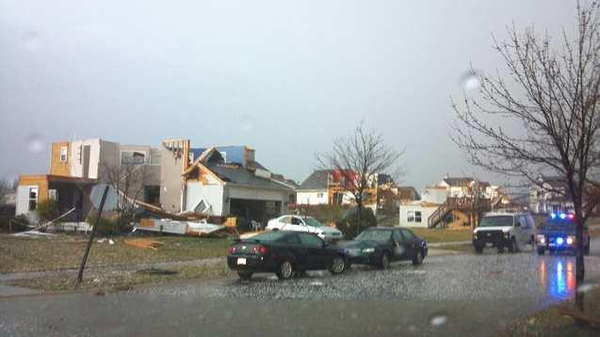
(304, 224)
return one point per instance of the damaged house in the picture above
(221, 181)
(77, 165)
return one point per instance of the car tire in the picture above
(418, 258)
(245, 275)
(285, 270)
(338, 265)
(512, 246)
(478, 249)
(541, 250)
(384, 263)
(586, 249)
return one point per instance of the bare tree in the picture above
(129, 180)
(5, 188)
(357, 159)
(541, 117)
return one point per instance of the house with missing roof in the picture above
(221, 181)
(76, 166)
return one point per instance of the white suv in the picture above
(500, 230)
(304, 224)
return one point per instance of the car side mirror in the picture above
(326, 243)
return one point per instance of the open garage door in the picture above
(258, 210)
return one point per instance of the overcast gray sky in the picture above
(283, 77)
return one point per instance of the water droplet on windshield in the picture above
(586, 287)
(34, 143)
(470, 81)
(31, 40)
(247, 122)
(438, 319)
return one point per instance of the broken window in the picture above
(132, 158)
(33, 198)
(63, 154)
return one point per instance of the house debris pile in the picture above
(189, 223)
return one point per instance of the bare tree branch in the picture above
(548, 101)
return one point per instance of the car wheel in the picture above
(338, 265)
(385, 261)
(512, 246)
(286, 270)
(418, 258)
(541, 250)
(478, 249)
(245, 275)
(586, 249)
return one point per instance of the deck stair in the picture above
(463, 204)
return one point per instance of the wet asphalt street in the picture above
(463, 295)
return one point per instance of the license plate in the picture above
(489, 244)
(241, 260)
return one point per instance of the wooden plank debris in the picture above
(144, 243)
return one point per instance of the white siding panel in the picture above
(425, 214)
(237, 192)
(212, 194)
(312, 198)
(22, 206)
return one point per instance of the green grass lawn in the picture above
(443, 235)
(27, 254)
(124, 280)
(432, 235)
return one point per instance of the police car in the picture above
(559, 235)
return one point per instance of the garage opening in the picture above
(260, 211)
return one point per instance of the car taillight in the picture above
(262, 250)
(231, 250)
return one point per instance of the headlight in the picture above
(570, 240)
(541, 238)
(368, 250)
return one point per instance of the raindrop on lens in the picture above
(438, 320)
(34, 143)
(247, 122)
(31, 39)
(470, 81)
(585, 287)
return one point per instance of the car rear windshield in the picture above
(312, 222)
(496, 221)
(268, 236)
(374, 235)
